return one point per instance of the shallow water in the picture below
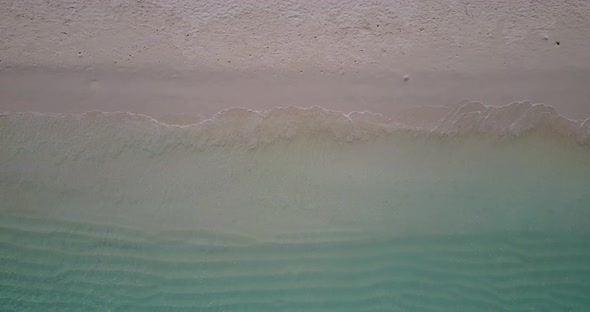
(293, 211)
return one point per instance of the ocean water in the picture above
(296, 210)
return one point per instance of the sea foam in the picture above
(243, 126)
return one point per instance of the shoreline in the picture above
(159, 92)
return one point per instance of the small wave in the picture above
(241, 125)
(513, 119)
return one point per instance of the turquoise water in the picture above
(62, 266)
(117, 212)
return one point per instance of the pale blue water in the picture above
(58, 266)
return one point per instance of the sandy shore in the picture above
(186, 57)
